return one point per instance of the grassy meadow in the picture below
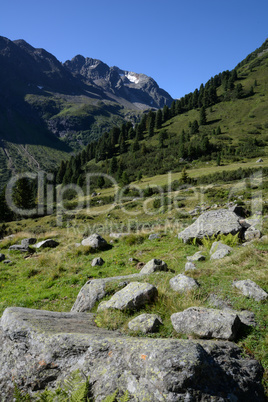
(50, 279)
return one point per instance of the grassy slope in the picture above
(240, 120)
(51, 279)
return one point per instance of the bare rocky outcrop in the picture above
(39, 348)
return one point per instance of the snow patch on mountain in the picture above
(132, 77)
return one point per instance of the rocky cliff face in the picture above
(62, 106)
(39, 348)
(138, 89)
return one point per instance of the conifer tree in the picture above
(113, 165)
(23, 194)
(100, 182)
(203, 116)
(158, 119)
(184, 176)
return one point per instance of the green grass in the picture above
(51, 279)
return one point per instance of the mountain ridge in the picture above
(49, 112)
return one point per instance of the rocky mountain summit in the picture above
(139, 89)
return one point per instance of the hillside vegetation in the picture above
(222, 122)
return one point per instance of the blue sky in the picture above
(181, 44)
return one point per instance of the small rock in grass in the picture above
(251, 289)
(95, 241)
(198, 256)
(145, 323)
(153, 266)
(97, 261)
(182, 283)
(49, 243)
(189, 266)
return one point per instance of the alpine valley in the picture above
(49, 109)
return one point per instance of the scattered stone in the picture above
(212, 223)
(118, 235)
(97, 261)
(252, 234)
(259, 160)
(19, 247)
(140, 265)
(182, 283)
(198, 256)
(154, 236)
(251, 289)
(94, 290)
(28, 242)
(94, 194)
(7, 262)
(134, 296)
(238, 210)
(194, 212)
(132, 259)
(256, 222)
(189, 266)
(2, 257)
(246, 317)
(145, 323)
(49, 243)
(150, 369)
(78, 244)
(95, 241)
(219, 254)
(217, 302)
(207, 323)
(217, 245)
(153, 266)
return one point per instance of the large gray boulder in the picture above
(207, 323)
(212, 223)
(39, 348)
(251, 289)
(134, 296)
(153, 266)
(94, 290)
(145, 323)
(183, 284)
(95, 241)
